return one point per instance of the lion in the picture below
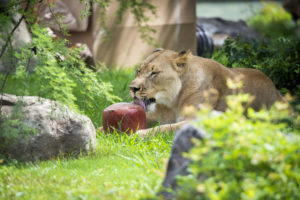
(167, 81)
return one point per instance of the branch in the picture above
(61, 29)
(2, 90)
(14, 29)
(4, 49)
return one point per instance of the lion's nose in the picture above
(134, 89)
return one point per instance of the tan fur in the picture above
(181, 79)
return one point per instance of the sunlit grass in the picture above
(120, 80)
(121, 167)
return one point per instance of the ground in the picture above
(122, 167)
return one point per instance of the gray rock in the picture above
(20, 37)
(177, 164)
(214, 26)
(212, 32)
(70, 9)
(59, 130)
(86, 55)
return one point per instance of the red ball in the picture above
(125, 117)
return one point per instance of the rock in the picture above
(86, 55)
(59, 130)
(70, 9)
(177, 164)
(212, 32)
(20, 37)
(215, 26)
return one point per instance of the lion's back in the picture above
(259, 85)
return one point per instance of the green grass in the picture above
(120, 79)
(122, 167)
(87, 93)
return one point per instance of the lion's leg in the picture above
(162, 128)
(153, 131)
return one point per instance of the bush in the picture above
(254, 157)
(60, 74)
(278, 58)
(12, 127)
(120, 80)
(273, 21)
(48, 68)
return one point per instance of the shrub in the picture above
(273, 21)
(60, 74)
(254, 157)
(13, 128)
(48, 68)
(120, 80)
(278, 58)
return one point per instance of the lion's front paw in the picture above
(143, 132)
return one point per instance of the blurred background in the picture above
(230, 9)
(201, 26)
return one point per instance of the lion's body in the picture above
(172, 81)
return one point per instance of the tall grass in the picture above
(122, 167)
(120, 80)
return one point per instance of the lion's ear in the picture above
(181, 60)
(157, 50)
(184, 53)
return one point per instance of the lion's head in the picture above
(158, 80)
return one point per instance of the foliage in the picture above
(254, 157)
(13, 128)
(122, 167)
(273, 21)
(278, 58)
(120, 80)
(58, 74)
(46, 67)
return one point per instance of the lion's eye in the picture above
(137, 72)
(153, 74)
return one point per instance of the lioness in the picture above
(168, 81)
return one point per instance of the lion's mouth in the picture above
(145, 102)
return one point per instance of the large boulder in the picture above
(58, 129)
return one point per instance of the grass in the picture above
(122, 167)
(120, 79)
